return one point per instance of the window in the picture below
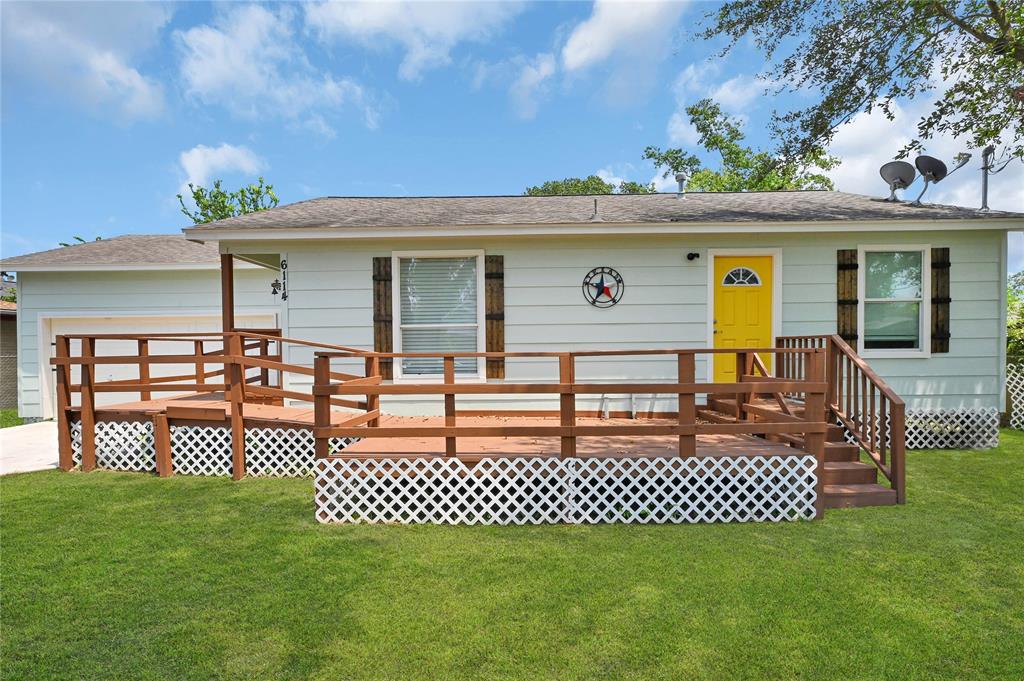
(741, 276)
(439, 305)
(894, 311)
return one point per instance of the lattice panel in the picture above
(948, 429)
(540, 490)
(76, 442)
(284, 452)
(953, 428)
(201, 450)
(125, 446)
(1015, 386)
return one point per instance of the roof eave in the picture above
(1009, 223)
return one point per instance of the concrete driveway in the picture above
(32, 447)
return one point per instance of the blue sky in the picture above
(110, 109)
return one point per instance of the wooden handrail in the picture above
(868, 408)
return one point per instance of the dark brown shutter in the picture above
(846, 298)
(940, 300)
(494, 302)
(382, 328)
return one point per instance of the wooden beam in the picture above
(88, 411)
(450, 446)
(162, 445)
(144, 395)
(227, 292)
(237, 394)
(321, 407)
(65, 455)
(567, 404)
(687, 413)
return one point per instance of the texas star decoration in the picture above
(603, 287)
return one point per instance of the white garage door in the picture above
(137, 325)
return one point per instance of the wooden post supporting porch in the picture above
(227, 291)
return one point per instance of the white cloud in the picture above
(531, 83)
(201, 163)
(609, 176)
(248, 61)
(869, 140)
(85, 51)
(681, 130)
(622, 29)
(428, 31)
(737, 93)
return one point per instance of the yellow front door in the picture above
(743, 309)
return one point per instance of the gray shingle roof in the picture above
(149, 249)
(718, 207)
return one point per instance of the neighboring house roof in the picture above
(8, 308)
(710, 207)
(150, 251)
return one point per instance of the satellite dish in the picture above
(931, 168)
(898, 175)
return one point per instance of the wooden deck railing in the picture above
(860, 400)
(246, 367)
(811, 387)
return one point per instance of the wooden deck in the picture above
(215, 407)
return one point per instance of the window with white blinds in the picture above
(439, 310)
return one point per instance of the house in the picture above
(139, 283)
(8, 354)
(727, 329)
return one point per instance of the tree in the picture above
(865, 54)
(77, 239)
(1015, 315)
(217, 204)
(742, 168)
(588, 185)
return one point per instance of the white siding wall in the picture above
(665, 305)
(116, 294)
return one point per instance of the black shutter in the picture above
(382, 328)
(494, 304)
(846, 295)
(940, 300)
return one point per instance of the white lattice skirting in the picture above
(1015, 386)
(120, 445)
(950, 429)
(202, 450)
(539, 490)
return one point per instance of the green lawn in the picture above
(126, 576)
(9, 417)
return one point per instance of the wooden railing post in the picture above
(65, 455)
(264, 372)
(832, 369)
(162, 445)
(236, 382)
(88, 411)
(450, 448)
(200, 362)
(897, 451)
(687, 415)
(144, 395)
(321, 405)
(814, 414)
(744, 366)
(567, 402)
(373, 401)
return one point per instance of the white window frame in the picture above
(925, 318)
(396, 309)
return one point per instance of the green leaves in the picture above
(588, 185)
(217, 204)
(78, 240)
(741, 168)
(859, 55)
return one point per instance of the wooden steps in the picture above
(851, 496)
(849, 482)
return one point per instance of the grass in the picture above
(119, 575)
(9, 417)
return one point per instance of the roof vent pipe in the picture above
(681, 179)
(596, 217)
